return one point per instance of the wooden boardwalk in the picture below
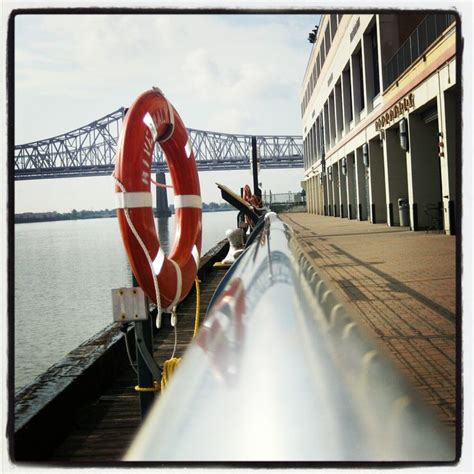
(104, 429)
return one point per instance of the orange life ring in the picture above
(149, 120)
(247, 194)
(253, 200)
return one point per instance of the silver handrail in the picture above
(281, 371)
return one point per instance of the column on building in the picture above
(310, 196)
(342, 172)
(335, 190)
(321, 187)
(423, 166)
(362, 186)
(351, 188)
(315, 193)
(448, 125)
(396, 185)
(315, 197)
(309, 200)
(329, 192)
(378, 202)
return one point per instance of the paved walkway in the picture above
(402, 285)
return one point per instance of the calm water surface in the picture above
(64, 272)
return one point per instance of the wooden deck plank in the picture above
(105, 428)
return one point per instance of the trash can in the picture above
(403, 212)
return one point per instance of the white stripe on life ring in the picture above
(188, 149)
(158, 262)
(187, 200)
(132, 200)
(195, 254)
(148, 121)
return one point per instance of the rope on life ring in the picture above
(166, 279)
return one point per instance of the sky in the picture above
(225, 73)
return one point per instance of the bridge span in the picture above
(90, 151)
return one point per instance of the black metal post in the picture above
(256, 190)
(390, 214)
(414, 225)
(145, 378)
(451, 214)
(162, 209)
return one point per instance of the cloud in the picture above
(237, 73)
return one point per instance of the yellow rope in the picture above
(155, 388)
(170, 365)
(198, 305)
(168, 369)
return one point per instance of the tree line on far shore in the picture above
(25, 217)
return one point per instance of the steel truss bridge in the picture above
(90, 151)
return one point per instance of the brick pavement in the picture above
(402, 285)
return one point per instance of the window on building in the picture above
(318, 146)
(307, 151)
(332, 118)
(321, 135)
(322, 52)
(327, 39)
(348, 81)
(375, 60)
(313, 140)
(338, 99)
(358, 65)
(333, 25)
(327, 138)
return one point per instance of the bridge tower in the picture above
(162, 209)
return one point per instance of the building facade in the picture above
(380, 122)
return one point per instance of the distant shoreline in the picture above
(32, 217)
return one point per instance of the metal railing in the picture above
(283, 198)
(425, 34)
(284, 202)
(326, 393)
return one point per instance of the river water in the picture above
(64, 272)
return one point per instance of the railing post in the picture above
(145, 378)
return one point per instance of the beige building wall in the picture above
(343, 182)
